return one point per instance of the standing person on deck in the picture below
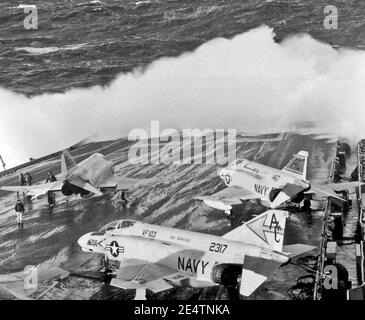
(28, 177)
(19, 210)
(124, 199)
(21, 179)
(307, 209)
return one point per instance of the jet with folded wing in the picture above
(91, 176)
(159, 258)
(32, 283)
(274, 188)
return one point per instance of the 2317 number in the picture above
(217, 247)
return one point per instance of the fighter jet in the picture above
(89, 177)
(159, 258)
(32, 283)
(274, 188)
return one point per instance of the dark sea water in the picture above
(80, 43)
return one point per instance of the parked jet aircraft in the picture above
(91, 176)
(248, 180)
(32, 283)
(159, 258)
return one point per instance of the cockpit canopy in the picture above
(118, 224)
(236, 162)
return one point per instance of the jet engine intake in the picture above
(69, 189)
(226, 274)
(298, 198)
(274, 193)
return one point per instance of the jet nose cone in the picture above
(308, 187)
(223, 173)
(305, 185)
(84, 240)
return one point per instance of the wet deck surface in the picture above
(50, 238)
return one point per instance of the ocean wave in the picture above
(200, 12)
(24, 6)
(90, 3)
(145, 4)
(47, 50)
(138, 3)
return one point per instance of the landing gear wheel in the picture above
(141, 294)
(107, 271)
(233, 292)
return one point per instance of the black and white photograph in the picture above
(182, 150)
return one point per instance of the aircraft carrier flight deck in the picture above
(49, 237)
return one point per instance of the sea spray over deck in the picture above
(250, 83)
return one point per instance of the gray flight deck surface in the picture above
(49, 238)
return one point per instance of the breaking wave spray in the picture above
(248, 83)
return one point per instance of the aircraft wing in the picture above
(294, 250)
(289, 191)
(8, 294)
(227, 197)
(120, 183)
(329, 190)
(256, 271)
(19, 285)
(141, 274)
(341, 186)
(35, 190)
(85, 185)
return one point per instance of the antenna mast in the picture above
(3, 163)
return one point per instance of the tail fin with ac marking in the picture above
(265, 230)
(297, 166)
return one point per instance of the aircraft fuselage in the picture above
(94, 170)
(266, 182)
(201, 256)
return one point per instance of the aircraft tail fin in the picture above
(265, 230)
(67, 162)
(297, 166)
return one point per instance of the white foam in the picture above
(24, 6)
(47, 50)
(246, 83)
